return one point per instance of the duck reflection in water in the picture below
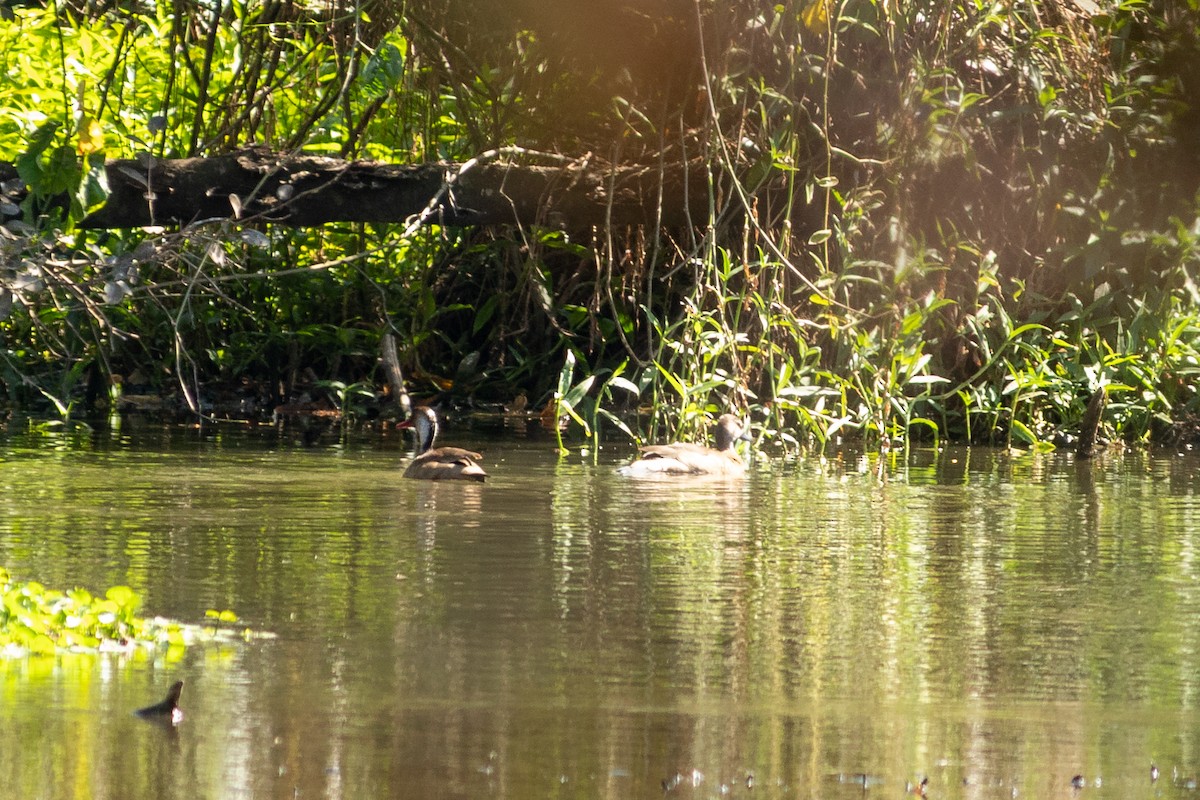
(685, 458)
(438, 463)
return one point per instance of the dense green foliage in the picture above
(947, 220)
(40, 621)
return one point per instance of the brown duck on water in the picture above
(684, 458)
(438, 463)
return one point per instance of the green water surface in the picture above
(996, 622)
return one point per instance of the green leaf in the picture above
(41, 645)
(616, 422)
(566, 374)
(578, 391)
(122, 596)
(1022, 432)
(1032, 326)
(624, 383)
(60, 173)
(29, 163)
(92, 191)
(382, 72)
(671, 379)
(485, 313)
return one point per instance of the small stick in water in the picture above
(395, 377)
(1090, 427)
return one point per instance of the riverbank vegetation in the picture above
(931, 221)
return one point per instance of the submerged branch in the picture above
(1090, 427)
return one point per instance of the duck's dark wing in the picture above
(446, 463)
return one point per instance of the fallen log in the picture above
(304, 189)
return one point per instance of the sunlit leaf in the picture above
(121, 595)
(1022, 432)
(90, 137)
(624, 383)
(816, 16)
(41, 645)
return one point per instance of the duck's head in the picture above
(729, 430)
(424, 424)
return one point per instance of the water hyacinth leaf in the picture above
(121, 595)
(41, 645)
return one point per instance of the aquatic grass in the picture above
(584, 401)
